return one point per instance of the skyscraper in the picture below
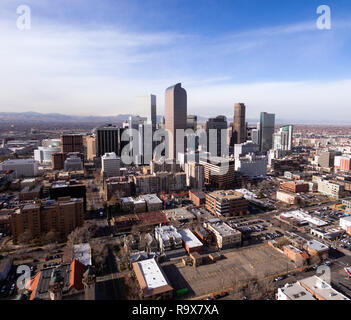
(215, 147)
(239, 127)
(267, 122)
(107, 140)
(283, 138)
(147, 106)
(175, 117)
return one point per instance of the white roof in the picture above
(322, 288)
(152, 274)
(296, 292)
(151, 198)
(190, 239)
(316, 245)
(302, 216)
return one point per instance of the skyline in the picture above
(269, 56)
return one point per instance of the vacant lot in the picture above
(245, 264)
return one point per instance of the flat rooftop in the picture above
(296, 292)
(226, 195)
(322, 288)
(190, 239)
(223, 229)
(152, 274)
(151, 198)
(316, 245)
(302, 216)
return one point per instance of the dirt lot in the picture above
(243, 264)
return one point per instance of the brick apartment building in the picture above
(61, 216)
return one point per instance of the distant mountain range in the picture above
(15, 117)
(36, 117)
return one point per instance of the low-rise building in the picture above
(286, 197)
(197, 197)
(295, 186)
(152, 281)
(153, 202)
(168, 238)
(294, 291)
(298, 256)
(191, 242)
(316, 248)
(225, 236)
(321, 289)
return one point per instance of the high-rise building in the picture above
(282, 140)
(175, 118)
(147, 107)
(107, 140)
(239, 125)
(72, 143)
(90, 142)
(267, 122)
(195, 175)
(110, 164)
(216, 144)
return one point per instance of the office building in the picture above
(217, 131)
(21, 167)
(73, 162)
(239, 125)
(326, 158)
(195, 176)
(252, 165)
(226, 203)
(110, 165)
(72, 143)
(43, 154)
(219, 172)
(175, 118)
(283, 139)
(267, 122)
(90, 143)
(224, 235)
(107, 140)
(245, 148)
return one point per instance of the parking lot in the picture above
(244, 264)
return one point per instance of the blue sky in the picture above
(95, 57)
